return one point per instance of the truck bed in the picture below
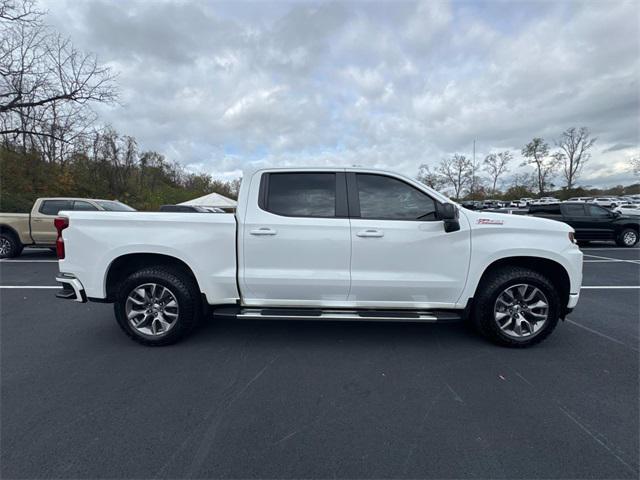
(204, 242)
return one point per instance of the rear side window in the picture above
(573, 210)
(387, 198)
(52, 207)
(301, 194)
(85, 206)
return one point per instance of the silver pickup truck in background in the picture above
(36, 229)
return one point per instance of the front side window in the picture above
(302, 194)
(595, 211)
(113, 206)
(85, 206)
(387, 198)
(52, 207)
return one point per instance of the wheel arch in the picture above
(126, 264)
(4, 228)
(554, 271)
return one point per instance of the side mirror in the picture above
(447, 211)
(449, 214)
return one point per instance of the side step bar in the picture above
(341, 315)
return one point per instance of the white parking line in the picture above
(600, 334)
(28, 261)
(637, 262)
(610, 287)
(612, 249)
(28, 286)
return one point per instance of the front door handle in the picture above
(370, 233)
(263, 231)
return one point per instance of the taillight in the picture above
(572, 237)
(60, 223)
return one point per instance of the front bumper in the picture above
(72, 289)
(573, 300)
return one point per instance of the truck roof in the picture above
(327, 168)
(76, 198)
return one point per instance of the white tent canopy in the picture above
(212, 200)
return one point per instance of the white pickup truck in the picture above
(327, 244)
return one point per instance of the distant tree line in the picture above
(463, 178)
(108, 165)
(49, 142)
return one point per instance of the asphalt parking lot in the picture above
(244, 399)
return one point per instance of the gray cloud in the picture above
(219, 85)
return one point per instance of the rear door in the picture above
(42, 229)
(296, 240)
(401, 255)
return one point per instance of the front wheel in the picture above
(158, 305)
(516, 307)
(627, 238)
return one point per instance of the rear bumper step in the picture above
(342, 315)
(72, 289)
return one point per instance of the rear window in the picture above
(301, 194)
(52, 207)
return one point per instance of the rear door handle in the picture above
(370, 233)
(263, 231)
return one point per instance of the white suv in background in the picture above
(608, 202)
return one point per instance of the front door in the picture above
(401, 255)
(296, 244)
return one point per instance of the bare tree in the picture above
(496, 164)
(43, 77)
(430, 178)
(536, 153)
(575, 143)
(456, 172)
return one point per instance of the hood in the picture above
(482, 220)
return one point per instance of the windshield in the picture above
(113, 206)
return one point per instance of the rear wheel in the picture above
(627, 238)
(10, 246)
(158, 306)
(516, 307)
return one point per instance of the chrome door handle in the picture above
(370, 233)
(263, 231)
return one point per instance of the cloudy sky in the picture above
(218, 86)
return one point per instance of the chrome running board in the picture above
(346, 315)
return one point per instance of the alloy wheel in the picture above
(521, 311)
(630, 238)
(152, 309)
(5, 246)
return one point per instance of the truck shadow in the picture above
(323, 332)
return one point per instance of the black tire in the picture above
(627, 238)
(489, 290)
(187, 296)
(10, 245)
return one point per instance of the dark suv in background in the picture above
(592, 222)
